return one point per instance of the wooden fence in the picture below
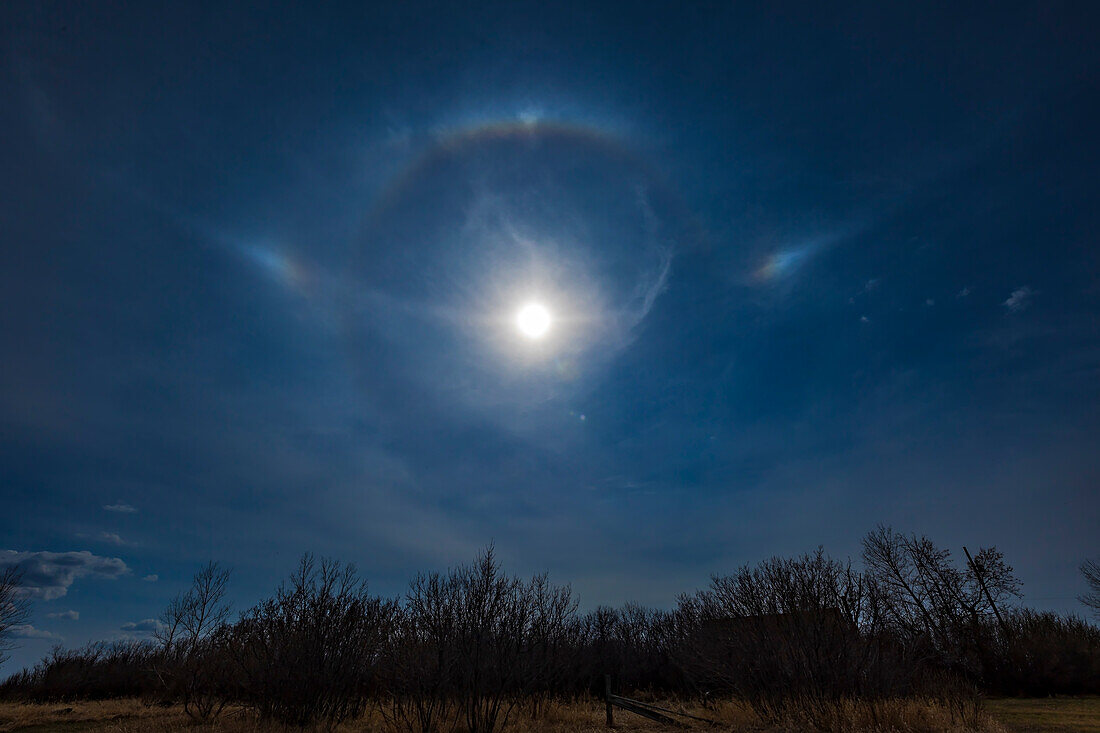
(645, 709)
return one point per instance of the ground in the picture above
(1064, 715)
(1077, 714)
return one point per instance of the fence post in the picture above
(607, 699)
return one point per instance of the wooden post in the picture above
(607, 699)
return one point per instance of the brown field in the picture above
(1077, 714)
(1004, 715)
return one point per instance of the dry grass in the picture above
(131, 716)
(74, 716)
(1059, 714)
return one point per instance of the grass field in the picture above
(130, 716)
(1048, 714)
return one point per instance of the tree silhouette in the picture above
(1091, 570)
(14, 608)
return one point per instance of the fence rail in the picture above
(644, 709)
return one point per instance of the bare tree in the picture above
(421, 660)
(188, 659)
(474, 643)
(792, 636)
(801, 639)
(193, 616)
(552, 633)
(493, 614)
(634, 644)
(924, 595)
(1091, 570)
(95, 671)
(14, 608)
(311, 654)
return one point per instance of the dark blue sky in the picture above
(811, 269)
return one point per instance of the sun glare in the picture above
(533, 320)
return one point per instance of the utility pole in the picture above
(981, 582)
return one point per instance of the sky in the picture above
(809, 268)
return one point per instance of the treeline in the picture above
(793, 637)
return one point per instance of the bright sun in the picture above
(533, 320)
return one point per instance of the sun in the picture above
(533, 320)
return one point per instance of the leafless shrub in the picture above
(793, 636)
(422, 657)
(474, 643)
(633, 644)
(551, 638)
(93, 672)
(493, 614)
(929, 603)
(310, 654)
(1091, 570)
(14, 608)
(1044, 654)
(905, 643)
(189, 665)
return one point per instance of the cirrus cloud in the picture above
(1019, 300)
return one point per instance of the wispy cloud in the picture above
(121, 508)
(112, 538)
(144, 627)
(1019, 300)
(67, 615)
(654, 282)
(48, 575)
(26, 631)
(151, 578)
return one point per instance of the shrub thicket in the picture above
(807, 641)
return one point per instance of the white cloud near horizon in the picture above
(48, 575)
(26, 631)
(144, 626)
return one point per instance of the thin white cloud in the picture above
(48, 575)
(1019, 300)
(121, 508)
(648, 290)
(151, 578)
(112, 538)
(67, 615)
(963, 293)
(145, 626)
(26, 631)
(653, 283)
